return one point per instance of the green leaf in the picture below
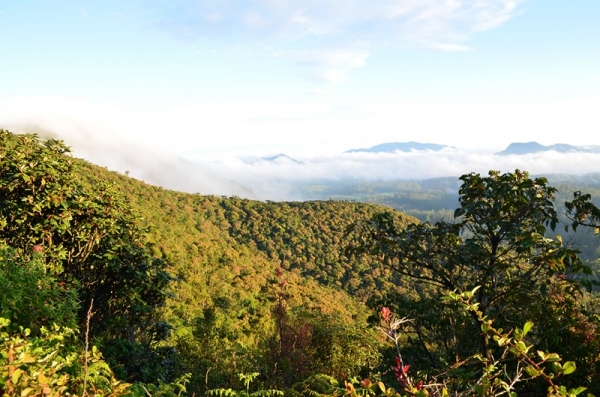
(518, 334)
(556, 368)
(522, 347)
(25, 392)
(568, 367)
(577, 391)
(532, 371)
(527, 327)
(16, 375)
(28, 358)
(552, 357)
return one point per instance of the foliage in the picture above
(176, 388)
(80, 232)
(582, 212)
(306, 343)
(88, 239)
(34, 366)
(499, 243)
(501, 374)
(31, 297)
(51, 365)
(246, 379)
(516, 363)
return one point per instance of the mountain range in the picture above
(513, 148)
(534, 147)
(392, 147)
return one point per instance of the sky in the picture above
(131, 81)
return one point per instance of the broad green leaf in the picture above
(16, 376)
(518, 333)
(577, 391)
(28, 358)
(532, 371)
(25, 392)
(552, 357)
(556, 367)
(527, 327)
(568, 367)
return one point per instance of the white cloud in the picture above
(289, 19)
(489, 16)
(317, 26)
(328, 66)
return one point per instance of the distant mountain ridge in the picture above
(534, 147)
(280, 158)
(392, 147)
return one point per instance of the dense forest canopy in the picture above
(191, 293)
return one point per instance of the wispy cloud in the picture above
(348, 29)
(287, 19)
(328, 66)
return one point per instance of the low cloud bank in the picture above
(279, 177)
(275, 180)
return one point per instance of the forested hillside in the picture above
(213, 292)
(306, 238)
(432, 200)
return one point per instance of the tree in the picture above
(581, 211)
(500, 242)
(89, 240)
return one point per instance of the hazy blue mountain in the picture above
(534, 147)
(280, 158)
(392, 147)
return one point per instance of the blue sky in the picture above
(210, 78)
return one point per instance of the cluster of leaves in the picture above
(88, 246)
(517, 361)
(40, 352)
(34, 366)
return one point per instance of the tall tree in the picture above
(499, 242)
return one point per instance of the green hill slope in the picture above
(225, 252)
(205, 233)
